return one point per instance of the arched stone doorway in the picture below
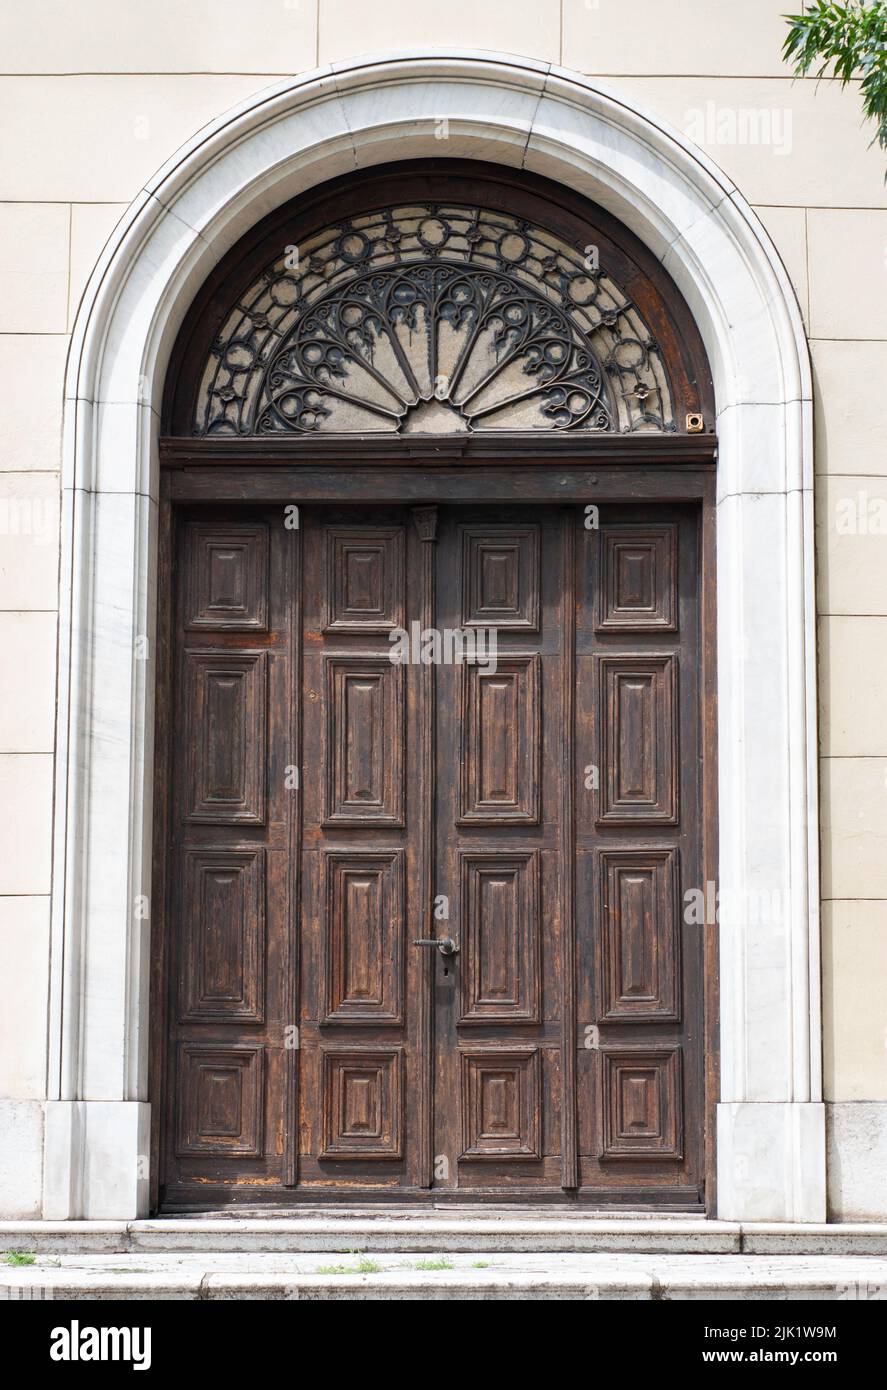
(771, 1150)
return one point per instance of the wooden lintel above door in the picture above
(608, 450)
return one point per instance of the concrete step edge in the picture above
(417, 1285)
(418, 1235)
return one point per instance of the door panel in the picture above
(500, 970)
(361, 1065)
(229, 948)
(363, 935)
(362, 741)
(500, 753)
(536, 801)
(498, 1015)
(638, 850)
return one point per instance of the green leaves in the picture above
(850, 38)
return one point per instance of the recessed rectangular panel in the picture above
(362, 1104)
(221, 971)
(637, 579)
(226, 583)
(500, 1104)
(225, 715)
(364, 936)
(501, 748)
(364, 741)
(640, 934)
(500, 577)
(638, 749)
(364, 578)
(641, 1112)
(219, 1100)
(500, 937)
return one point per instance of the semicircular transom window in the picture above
(433, 318)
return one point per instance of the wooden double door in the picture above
(472, 727)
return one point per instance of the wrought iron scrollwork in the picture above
(427, 317)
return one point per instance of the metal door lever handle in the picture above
(445, 944)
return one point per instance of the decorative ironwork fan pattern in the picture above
(433, 318)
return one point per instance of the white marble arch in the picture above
(515, 111)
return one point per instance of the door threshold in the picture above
(360, 1207)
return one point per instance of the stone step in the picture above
(442, 1232)
(476, 1275)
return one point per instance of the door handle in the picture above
(445, 944)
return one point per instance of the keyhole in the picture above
(446, 970)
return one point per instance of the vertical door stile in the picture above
(425, 522)
(292, 988)
(569, 1119)
(161, 1090)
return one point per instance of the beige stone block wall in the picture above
(95, 96)
(33, 267)
(32, 370)
(176, 36)
(24, 938)
(91, 225)
(348, 27)
(851, 436)
(853, 1000)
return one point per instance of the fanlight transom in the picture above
(433, 318)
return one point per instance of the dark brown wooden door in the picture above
(500, 859)
(535, 802)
